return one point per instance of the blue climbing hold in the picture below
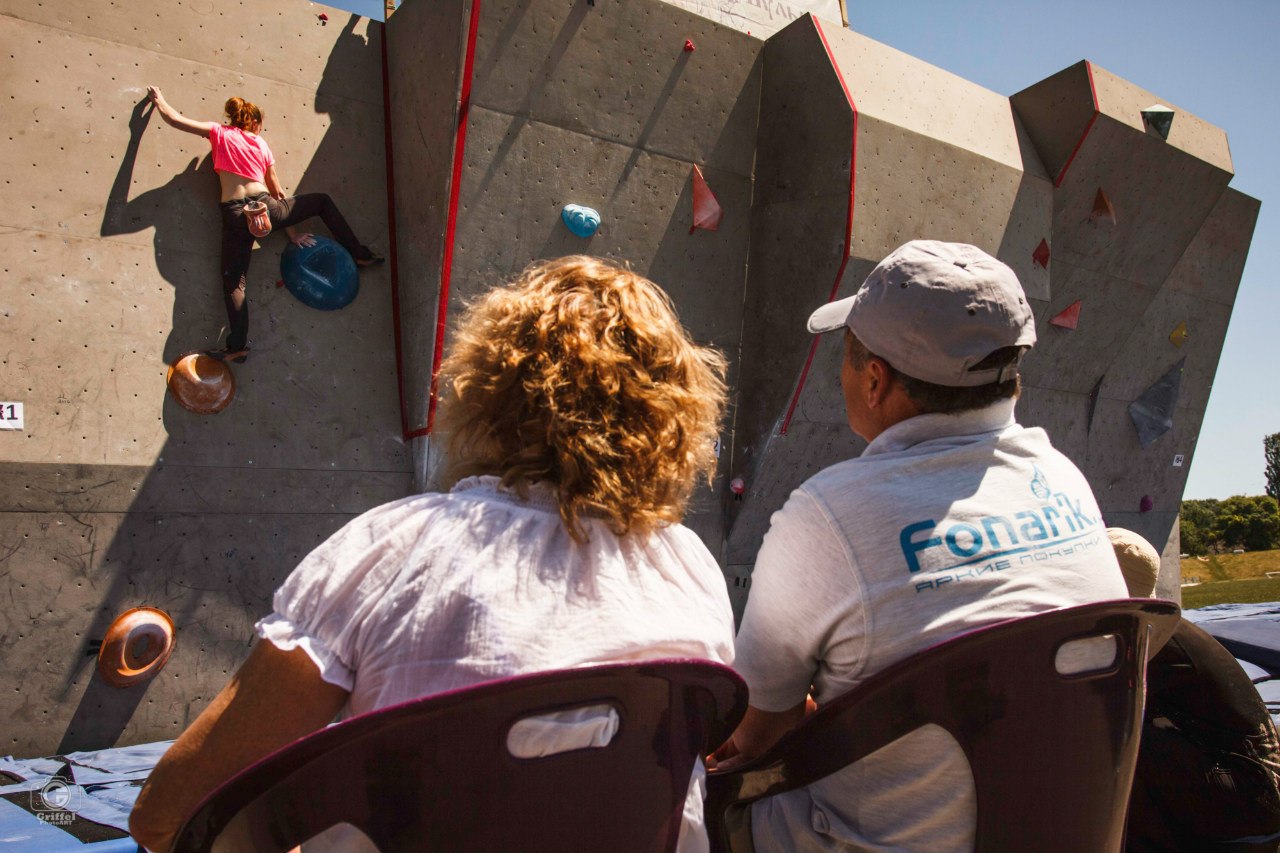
(322, 276)
(582, 221)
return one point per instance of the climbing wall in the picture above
(860, 149)
(1122, 231)
(1147, 248)
(1117, 233)
(609, 106)
(114, 496)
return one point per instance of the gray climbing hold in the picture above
(1159, 119)
(1152, 412)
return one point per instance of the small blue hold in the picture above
(322, 276)
(582, 221)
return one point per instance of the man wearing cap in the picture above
(954, 517)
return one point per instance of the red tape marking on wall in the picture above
(451, 226)
(848, 228)
(1093, 92)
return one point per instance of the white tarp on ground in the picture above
(761, 18)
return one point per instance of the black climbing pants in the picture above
(237, 247)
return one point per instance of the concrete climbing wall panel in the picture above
(426, 43)
(798, 251)
(598, 106)
(1135, 221)
(934, 156)
(116, 496)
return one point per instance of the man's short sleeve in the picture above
(802, 591)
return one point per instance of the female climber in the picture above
(253, 203)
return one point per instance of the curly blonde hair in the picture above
(578, 373)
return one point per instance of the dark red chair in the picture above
(1052, 755)
(435, 774)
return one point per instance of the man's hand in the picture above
(758, 731)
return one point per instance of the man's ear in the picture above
(879, 377)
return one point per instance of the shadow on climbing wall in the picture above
(232, 501)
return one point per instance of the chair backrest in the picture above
(435, 774)
(1052, 755)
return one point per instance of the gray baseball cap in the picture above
(933, 310)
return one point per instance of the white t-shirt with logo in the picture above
(945, 523)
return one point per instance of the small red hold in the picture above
(688, 46)
(737, 485)
(279, 282)
(1146, 504)
(324, 19)
(1069, 317)
(1041, 254)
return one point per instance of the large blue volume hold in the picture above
(323, 275)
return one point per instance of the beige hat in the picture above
(933, 310)
(1139, 562)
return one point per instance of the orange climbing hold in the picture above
(201, 383)
(1178, 336)
(1069, 317)
(136, 647)
(706, 210)
(1102, 209)
(1041, 254)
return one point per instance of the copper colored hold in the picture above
(201, 383)
(137, 647)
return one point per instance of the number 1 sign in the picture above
(11, 416)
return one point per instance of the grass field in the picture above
(1233, 591)
(1230, 578)
(1225, 567)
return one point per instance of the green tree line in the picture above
(1219, 526)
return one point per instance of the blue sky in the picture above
(1218, 60)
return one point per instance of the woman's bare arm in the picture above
(275, 698)
(176, 119)
(272, 180)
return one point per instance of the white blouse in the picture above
(440, 591)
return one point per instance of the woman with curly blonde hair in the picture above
(580, 416)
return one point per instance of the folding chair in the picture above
(435, 774)
(1052, 754)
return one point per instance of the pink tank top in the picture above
(240, 153)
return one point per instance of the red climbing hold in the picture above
(324, 19)
(688, 45)
(1041, 254)
(1069, 317)
(706, 210)
(1102, 208)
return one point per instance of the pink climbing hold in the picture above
(706, 210)
(1146, 504)
(1069, 317)
(688, 46)
(1041, 254)
(737, 485)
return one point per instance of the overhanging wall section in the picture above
(114, 495)
(935, 157)
(1133, 216)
